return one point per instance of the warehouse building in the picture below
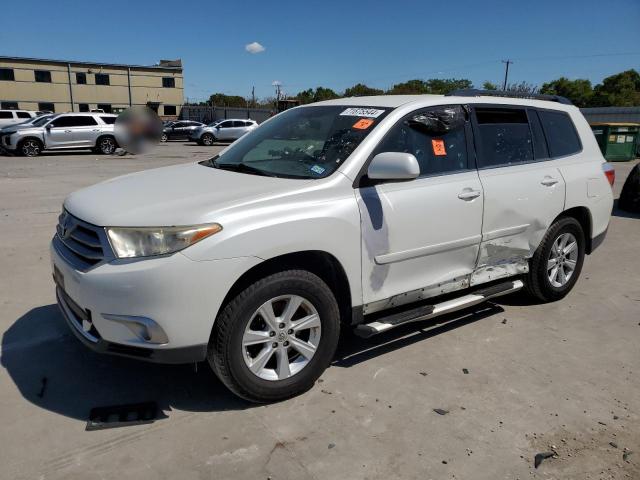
(71, 86)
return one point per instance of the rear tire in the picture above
(30, 147)
(243, 336)
(106, 145)
(556, 265)
(164, 137)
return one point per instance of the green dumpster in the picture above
(618, 141)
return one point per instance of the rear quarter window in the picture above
(560, 132)
(109, 120)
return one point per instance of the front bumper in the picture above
(179, 295)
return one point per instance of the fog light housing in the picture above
(144, 328)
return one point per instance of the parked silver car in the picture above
(229, 129)
(64, 131)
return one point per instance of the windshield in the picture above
(306, 142)
(40, 120)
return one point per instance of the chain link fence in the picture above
(208, 114)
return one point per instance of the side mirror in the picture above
(48, 127)
(392, 166)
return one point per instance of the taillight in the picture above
(609, 172)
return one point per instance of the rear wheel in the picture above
(106, 145)
(207, 139)
(557, 263)
(274, 339)
(30, 147)
(164, 137)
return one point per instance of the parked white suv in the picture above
(350, 213)
(60, 132)
(11, 117)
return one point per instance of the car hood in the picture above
(188, 194)
(15, 126)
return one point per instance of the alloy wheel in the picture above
(31, 148)
(563, 259)
(281, 337)
(107, 145)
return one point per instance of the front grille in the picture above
(82, 244)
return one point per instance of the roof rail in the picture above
(472, 92)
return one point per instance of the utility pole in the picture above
(253, 97)
(506, 73)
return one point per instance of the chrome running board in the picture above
(425, 312)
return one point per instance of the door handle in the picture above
(96, 130)
(67, 131)
(549, 181)
(469, 194)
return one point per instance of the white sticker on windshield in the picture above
(318, 169)
(362, 112)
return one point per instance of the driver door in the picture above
(420, 238)
(59, 132)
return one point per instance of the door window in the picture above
(437, 152)
(6, 115)
(504, 136)
(227, 124)
(560, 132)
(23, 115)
(238, 124)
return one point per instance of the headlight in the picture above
(149, 241)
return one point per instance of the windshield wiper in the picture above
(242, 167)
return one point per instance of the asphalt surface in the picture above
(559, 377)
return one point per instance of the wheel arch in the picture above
(583, 216)
(321, 263)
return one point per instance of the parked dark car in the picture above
(180, 130)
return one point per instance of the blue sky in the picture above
(334, 43)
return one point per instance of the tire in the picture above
(207, 139)
(541, 282)
(30, 147)
(106, 145)
(230, 357)
(164, 137)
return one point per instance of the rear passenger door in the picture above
(421, 237)
(523, 188)
(85, 131)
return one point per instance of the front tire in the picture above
(30, 147)
(164, 137)
(275, 338)
(207, 139)
(556, 265)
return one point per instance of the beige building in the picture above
(66, 86)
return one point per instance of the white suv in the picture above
(363, 213)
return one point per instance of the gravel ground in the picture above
(560, 377)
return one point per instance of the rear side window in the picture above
(6, 115)
(109, 120)
(505, 136)
(562, 137)
(23, 115)
(437, 153)
(74, 121)
(238, 124)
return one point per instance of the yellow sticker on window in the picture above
(363, 124)
(438, 147)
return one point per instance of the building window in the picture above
(83, 107)
(106, 107)
(6, 74)
(9, 105)
(102, 79)
(168, 82)
(46, 107)
(170, 110)
(81, 78)
(43, 76)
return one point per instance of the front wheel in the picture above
(556, 265)
(164, 137)
(274, 339)
(207, 139)
(31, 147)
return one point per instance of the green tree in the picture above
(490, 86)
(579, 91)
(222, 100)
(522, 87)
(619, 90)
(323, 93)
(433, 85)
(361, 90)
(305, 96)
(408, 88)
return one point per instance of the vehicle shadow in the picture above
(59, 374)
(78, 379)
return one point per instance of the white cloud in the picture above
(254, 47)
